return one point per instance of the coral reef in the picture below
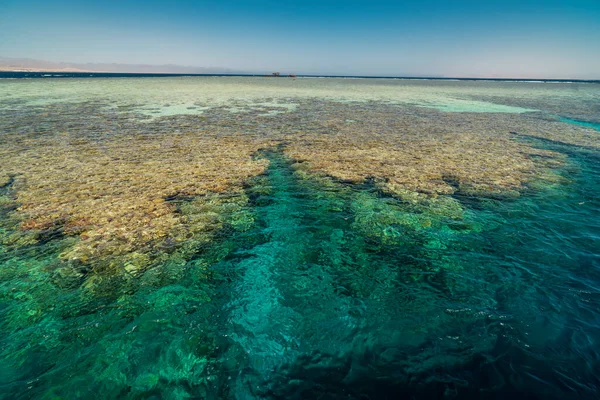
(407, 154)
(216, 237)
(140, 178)
(119, 195)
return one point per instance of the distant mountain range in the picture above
(30, 65)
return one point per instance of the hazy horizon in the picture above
(530, 39)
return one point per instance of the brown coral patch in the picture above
(112, 193)
(407, 153)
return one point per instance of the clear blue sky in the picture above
(526, 38)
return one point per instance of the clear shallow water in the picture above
(324, 298)
(332, 290)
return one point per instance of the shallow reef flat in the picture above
(291, 238)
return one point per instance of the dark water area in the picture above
(337, 291)
(41, 74)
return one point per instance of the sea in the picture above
(252, 237)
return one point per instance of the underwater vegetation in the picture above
(232, 238)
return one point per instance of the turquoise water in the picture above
(337, 291)
(296, 284)
(587, 124)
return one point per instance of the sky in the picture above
(486, 38)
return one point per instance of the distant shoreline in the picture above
(84, 74)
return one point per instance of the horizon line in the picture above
(61, 74)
